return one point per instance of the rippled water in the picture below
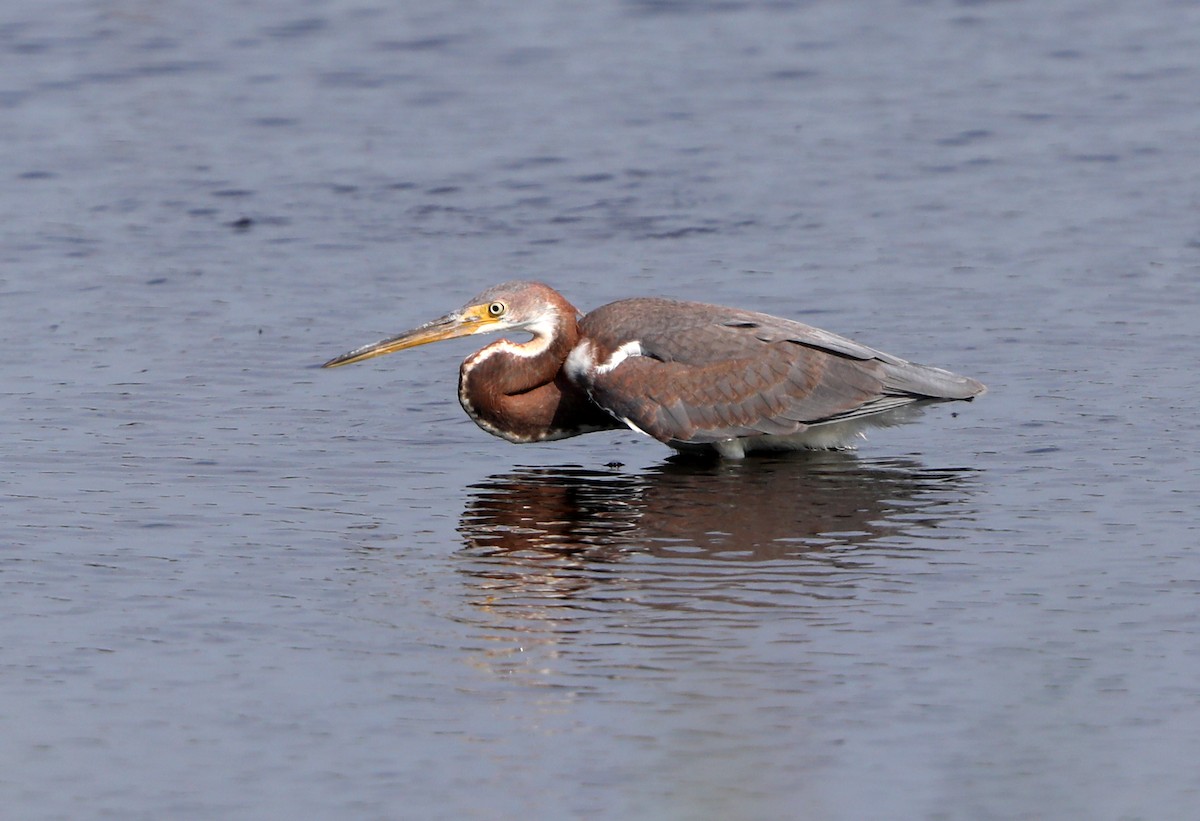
(238, 586)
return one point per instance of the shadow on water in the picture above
(816, 522)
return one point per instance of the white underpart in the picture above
(830, 436)
(730, 448)
(582, 366)
(838, 435)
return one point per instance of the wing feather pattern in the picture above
(708, 373)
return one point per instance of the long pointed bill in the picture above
(460, 323)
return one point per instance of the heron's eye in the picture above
(497, 309)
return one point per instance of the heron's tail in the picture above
(929, 382)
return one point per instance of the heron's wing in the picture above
(899, 375)
(707, 373)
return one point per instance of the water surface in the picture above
(238, 586)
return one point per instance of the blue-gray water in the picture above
(235, 586)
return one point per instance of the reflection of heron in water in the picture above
(553, 553)
(766, 509)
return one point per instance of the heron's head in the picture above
(513, 306)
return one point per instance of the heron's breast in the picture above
(590, 359)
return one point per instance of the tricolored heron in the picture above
(690, 375)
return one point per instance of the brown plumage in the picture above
(691, 375)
